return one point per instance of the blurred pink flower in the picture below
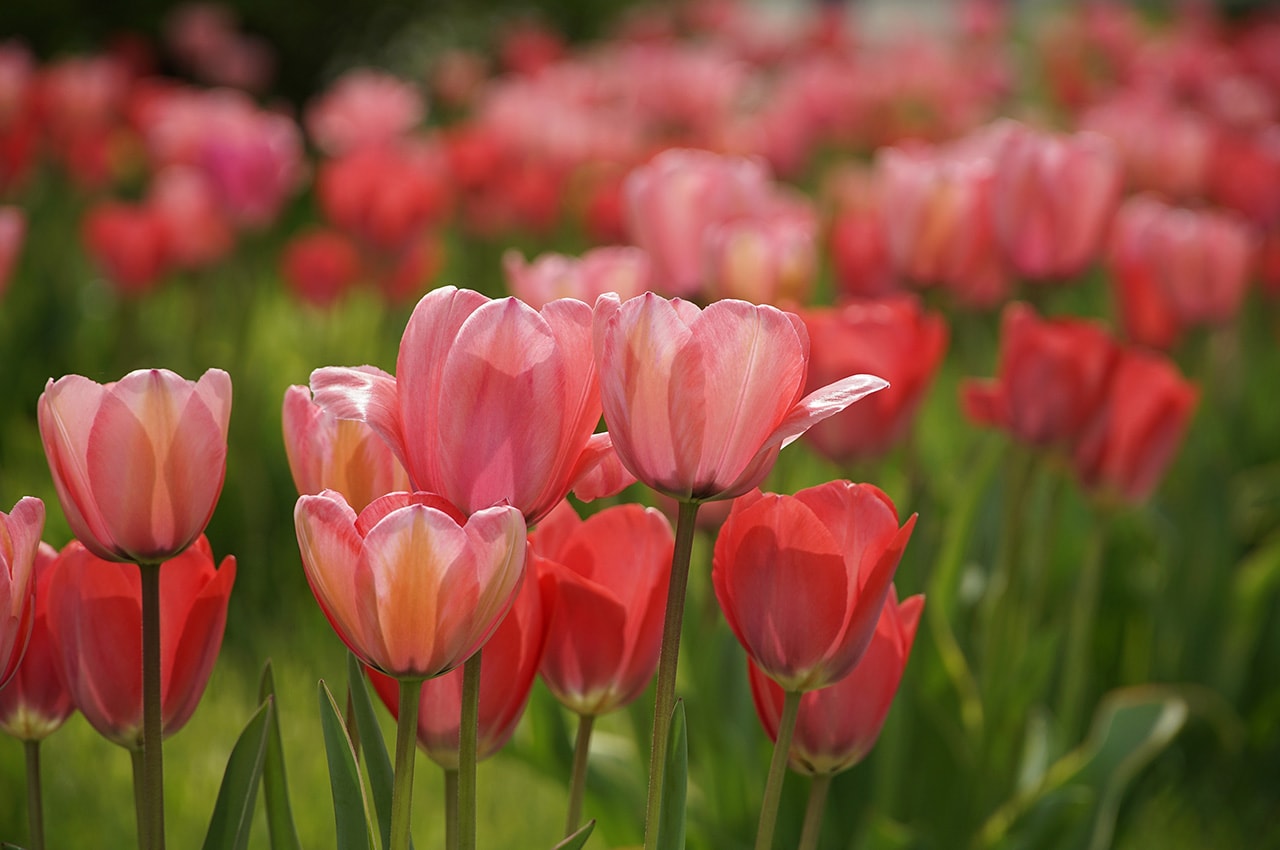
(363, 107)
(624, 270)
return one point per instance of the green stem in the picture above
(153, 758)
(777, 770)
(668, 659)
(451, 808)
(139, 803)
(578, 779)
(406, 748)
(35, 804)
(467, 753)
(813, 811)
(1084, 610)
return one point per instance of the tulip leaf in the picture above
(675, 783)
(578, 839)
(233, 811)
(282, 833)
(350, 807)
(376, 760)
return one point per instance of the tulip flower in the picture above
(20, 532)
(768, 259)
(36, 701)
(511, 659)
(326, 453)
(492, 401)
(320, 266)
(138, 463)
(13, 229)
(1052, 376)
(410, 585)
(385, 195)
(129, 243)
(95, 619)
(196, 231)
(700, 402)
(893, 337)
(624, 270)
(363, 108)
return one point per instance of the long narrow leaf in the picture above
(578, 839)
(233, 811)
(675, 784)
(350, 807)
(281, 832)
(376, 759)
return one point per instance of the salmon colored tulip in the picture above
(801, 579)
(838, 725)
(337, 454)
(624, 270)
(411, 586)
(506, 679)
(95, 618)
(36, 701)
(13, 230)
(700, 402)
(893, 337)
(608, 579)
(768, 259)
(492, 401)
(20, 532)
(138, 464)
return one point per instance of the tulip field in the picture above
(750, 426)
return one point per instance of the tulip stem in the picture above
(451, 808)
(467, 753)
(777, 770)
(813, 811)
(35, 804)
(668, 659)
(578, 779)
(153, 758)
(406, 739)
(139, 803)
(1080, 630)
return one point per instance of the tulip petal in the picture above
(197, 647)
(367, 395)
(330, 550)
(66, 412)
(585, 649)
(820, 404)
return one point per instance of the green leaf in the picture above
(281, 831)
(675, 783)
(233, 811)
(578, 839)
(350, 807)
(376, 760)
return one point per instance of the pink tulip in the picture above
(196, 231)
(765, 259)
(13, 230)
(802, 579)
(700, 402)
(387, 195)
(129, 243)
(363, 108)
(326, 453)
(411, 586)
(320, 266)
(36, 701)
(20, 531)
(838, 725)
(492, 401)
(95, 617)
(624, 270)
(138, 463)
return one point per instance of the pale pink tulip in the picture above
(364, 107)
(624, 270)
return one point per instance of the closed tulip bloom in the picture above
(1052, 375)
(510, 665)
(620, 269)
(320, 266)
(95, 617)
(838, 725)
(326, 453)
(801, 579)
(1136, 430)
(608, 579)
(411, 586)
(138, 464)
(700, 402)
(129, 244)
(20, 532)
(492, 401)
(36, 701)
(764, 259)
(891, 336)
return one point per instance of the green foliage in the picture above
(350, 805)
(233, 811)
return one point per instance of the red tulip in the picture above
(36, 701)
(801, 579)
(411, 586)
(608, 579)
(838, 725)
(1137, 427)
(385, 195)
(326, 453)
(13, 229)
(95, 618)
(320, 266)
(138, 463)
(1244, 173)
(700, 402)
(624, 270)
(1053, 374)
(506, 679)
(20, 531)
(129, 243)
(893, 337)
(492, 401)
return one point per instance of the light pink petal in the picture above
(330, 548)
(822, 403)
(366, 395)
(600, 472)
(66, 411)
(214, 388)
